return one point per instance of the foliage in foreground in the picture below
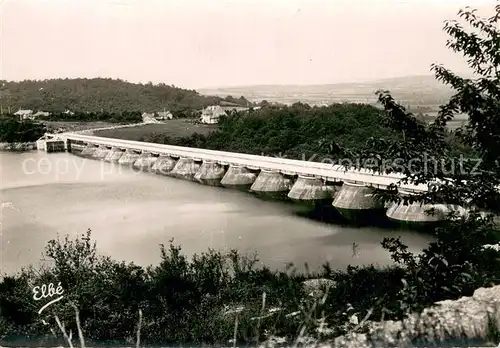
(197, 300)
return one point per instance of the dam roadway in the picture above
(349, 191)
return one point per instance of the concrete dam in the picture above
(348, 191)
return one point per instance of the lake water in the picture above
(131, 213)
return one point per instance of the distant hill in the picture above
(114, 95)
(417, 91)
(98, 94)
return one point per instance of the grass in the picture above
(175, 128)
(415, 331)
(77, 126)
(423, 91)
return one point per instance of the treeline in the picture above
(113, 117)
(298, 131)
(13, 131)
(97, 94)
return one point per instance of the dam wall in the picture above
(358, 202)
(186, 168)
(350, 192)
(129, 157)
(164, 165)
(114, 155)
(239, 177)
(307, 188)
(101, 152)
(272, 184)
(417, 214)
(210, 173)
(145, 161)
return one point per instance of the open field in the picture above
(422, 92)
(458, 121)
(77, 126)
(175, 128)
(178, 128)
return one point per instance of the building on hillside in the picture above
(211, 114)
(24, 114)
(68, 112)
(41, 114)
(164, 115)
(148, 117)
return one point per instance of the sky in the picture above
(216, 43)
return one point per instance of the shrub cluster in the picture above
(298, 131)
(200, 300)
(14, 131)
(79, 116)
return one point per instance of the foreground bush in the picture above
(200, 300)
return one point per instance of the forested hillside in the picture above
(102, 94)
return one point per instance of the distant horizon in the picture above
(368, 81)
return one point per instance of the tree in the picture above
(12, 130)
(468, 182)
(456, 263)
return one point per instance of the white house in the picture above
(68, 112)
(24, 114)
(211, 114)
(41, 113)
(148, 118)
(164, 115)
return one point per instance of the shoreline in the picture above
(18, 146)
(275, 298)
